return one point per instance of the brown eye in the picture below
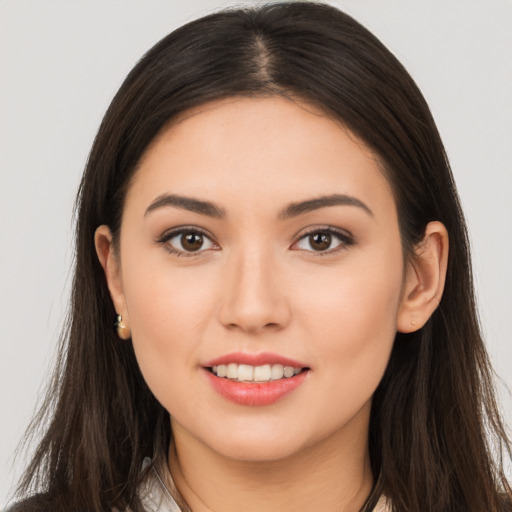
(324, 241)
(186, 242)
(320, 241)
(191, 241)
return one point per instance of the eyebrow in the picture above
(187, 203)
(292, 210)
(295, 209)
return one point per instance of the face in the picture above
(260, 239)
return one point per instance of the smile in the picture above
(255, 379)
(248, 373)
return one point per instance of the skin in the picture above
(257, 284)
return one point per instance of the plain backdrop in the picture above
(62, 61)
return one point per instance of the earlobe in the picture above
(424, 282)
(109, 260)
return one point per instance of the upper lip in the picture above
(260, 359)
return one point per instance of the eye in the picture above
(186, 241)
(326, 240)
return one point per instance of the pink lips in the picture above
(252, 393)
(255, 360)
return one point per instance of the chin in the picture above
(256, 451)
(265, 441)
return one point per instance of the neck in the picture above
(332, 475)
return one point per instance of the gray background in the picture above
(62, 61)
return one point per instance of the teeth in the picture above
(277, 372)
(262, 373)
(288, 371)
(248, 373)
(245, 372)
(232, 371)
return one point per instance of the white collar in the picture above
(156, 497)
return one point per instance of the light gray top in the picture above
(157, 497)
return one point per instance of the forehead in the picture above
(251, 150)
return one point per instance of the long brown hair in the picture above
(436, 439)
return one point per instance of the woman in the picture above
(268, 217)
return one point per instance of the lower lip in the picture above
(255, 394)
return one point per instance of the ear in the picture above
(111, 266)
(425, 278)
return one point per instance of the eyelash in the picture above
(345, 239)
(169, 235)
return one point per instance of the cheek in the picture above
(351, 325)
(168, 309)
(351, 314)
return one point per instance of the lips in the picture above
(255, 379)
(255, 360)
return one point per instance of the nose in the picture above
(253, 299)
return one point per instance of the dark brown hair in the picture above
(436, 438)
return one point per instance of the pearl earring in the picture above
(122, 330)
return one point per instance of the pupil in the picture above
(191, 241)
(320, 241)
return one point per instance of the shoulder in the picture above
(43, 503)
(36, 503)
